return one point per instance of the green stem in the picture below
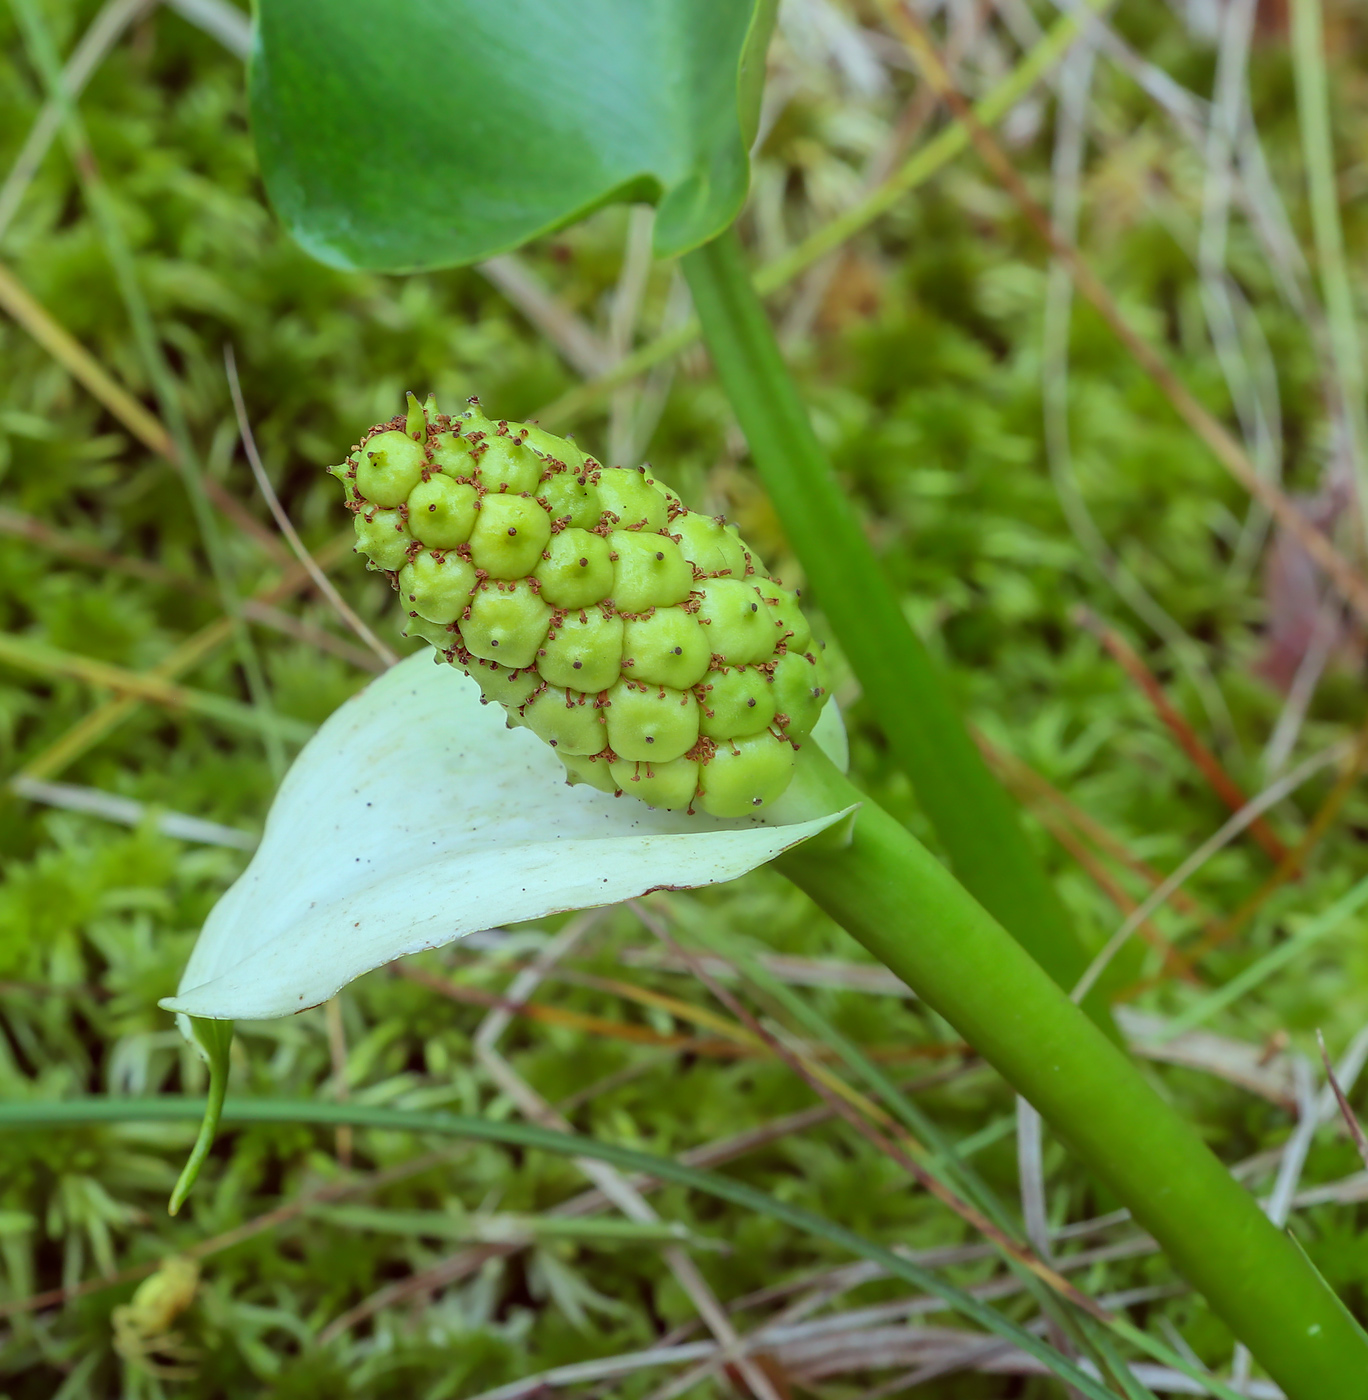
(905, 907)
(971, 813)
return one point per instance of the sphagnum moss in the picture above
(643, 641)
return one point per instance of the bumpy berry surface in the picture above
(643, 641)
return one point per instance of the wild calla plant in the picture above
(417, 814)
(498, 123)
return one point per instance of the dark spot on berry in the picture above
(584, 563)
(679, 651)
(433, 506)
(756, 801)
(650, 739)
(579, 665)
(751, 702)
(755, 607)
(511, 530)
(659, 554)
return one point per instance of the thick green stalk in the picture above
(972, 814)
(906, 908)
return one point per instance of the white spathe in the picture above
(413, 817)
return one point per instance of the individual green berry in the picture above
(668, 647)
(651, 722)
(509, 536)
(561, 452)
(568, 720)
(437, 586)
(740, 629)
(451, 455)
(673, 784)
(583, 651)
(512, 689)
(594, 770)
(508, 464)
(576, 570)
(383, 537)
(745, 775)
(793, 627)
(649, 571)
(632, 498)
(572, 499)
(439, 636)
(388, 466)
(442, 512)
(711, 546)
(507, 623)
(800, 688)
(734, 702)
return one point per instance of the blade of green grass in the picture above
(85, 1112)
(972, 814)
(1326, 922)
(42, 51)
(1313, 112)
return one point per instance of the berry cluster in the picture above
(644, 642)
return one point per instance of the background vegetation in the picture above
(1031, 492)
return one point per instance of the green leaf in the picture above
(409, 134)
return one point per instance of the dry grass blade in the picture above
(1249, 1066)
(39, 659)
(1222, 784)
(1351, 584)
(581, 349)
(842, 1098)
(1346, 1112)
(28, 527)
(88, 732)
(574, 1020)
(39, 532)
(321, 581)
(1269, 797)
(1292, 864)
(1042, 796)
(87, 371)
(615, 1186)
(128, 812)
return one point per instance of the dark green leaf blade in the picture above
(411, 134)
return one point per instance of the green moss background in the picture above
(922, 363)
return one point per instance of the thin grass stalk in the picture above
(971, 813)
(896, 899)
(1313, 111)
